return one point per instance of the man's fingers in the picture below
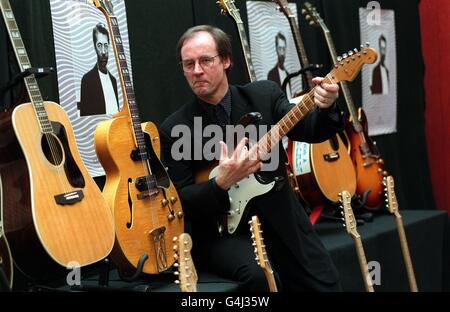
(237, 154)
(223, 151)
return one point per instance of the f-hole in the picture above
(52, 149)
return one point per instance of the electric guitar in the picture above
(392, 206)
(261, 254)
(53, 212)
(350, 225)
(138, 190)
(6, 262)
(243, 191)
(323, 169)
(186, 274)
(228, 7)
(364, 153)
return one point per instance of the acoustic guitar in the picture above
(6, 262)
(392, 206)
(260, 251)
(186, 274)
(53, 212)
(322, 170)
(138, 190)
(366, 158)
(246, 189)
(350, 225)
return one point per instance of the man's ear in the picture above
(226, 62)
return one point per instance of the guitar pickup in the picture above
(333, 156)
(137, 155)
(69, 198)
(145, 183)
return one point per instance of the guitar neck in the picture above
(271, 280)
(246, 51)
(24, 64)
(297, 113)
(344, 86)
(405, 252)
(130, 105)
(363, 263)
(301, 52)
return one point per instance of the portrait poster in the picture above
(80, 62)
(379, 80)
(265, 22)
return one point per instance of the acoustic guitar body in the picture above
(323, 170)
(145, 225)
(53, 212)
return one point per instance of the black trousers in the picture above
(233, 257)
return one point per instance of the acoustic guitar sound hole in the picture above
(52, 149)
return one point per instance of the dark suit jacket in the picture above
(377, 86)
(92, 98)
(204, 202)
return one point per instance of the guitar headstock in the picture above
(187, 275)
(228, 7)
(283, 6)
(391, 199)
(312, 16)
(349, 64)
(258, 243)
(105, 6)
(347, 212)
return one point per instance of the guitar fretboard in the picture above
(246, 50)
(297, 113)
(304, 62)
(126, 84)
(344, 86)
(24, 64)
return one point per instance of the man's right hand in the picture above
(241, 164)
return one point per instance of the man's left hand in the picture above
(325, 93)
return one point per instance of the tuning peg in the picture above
(350, 53)
(355, 50)
(176, 264)
(308, 17)
(367, 44)
(303, 11)
(176, 273)
(343, 225)
(344, 56)
(177, 281)
(339, 58)
(311, 23)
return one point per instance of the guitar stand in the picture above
(4, 285)
(38, 72)
(138, 271)
(310, 68)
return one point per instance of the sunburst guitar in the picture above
(144, 202)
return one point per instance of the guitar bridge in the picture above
(69, 198)
(333, 156)
(159, 246)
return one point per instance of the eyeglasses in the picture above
(204, 62)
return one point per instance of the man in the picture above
(279, 72)
(298, 257)
(98, 86)
(380, 74)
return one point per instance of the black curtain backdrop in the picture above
(155, 26)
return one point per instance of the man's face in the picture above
(281, 52)
(101, 48)
(205, 81)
